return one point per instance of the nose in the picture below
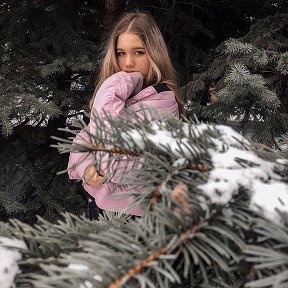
(129, 61)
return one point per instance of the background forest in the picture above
(50, 52)
(49, 56)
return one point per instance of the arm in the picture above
(81, 165)
(110, 99)
(114, 92)
(163, 101)
(79, 161)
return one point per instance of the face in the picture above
(131, 54)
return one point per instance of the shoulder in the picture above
(157, 92)
(161, 87)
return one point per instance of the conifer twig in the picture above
(138, 268)
(198, 166)
(112, 150)
(122, 151)
(156, 195)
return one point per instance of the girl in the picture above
(136, 70)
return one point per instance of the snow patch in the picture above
(9, 257)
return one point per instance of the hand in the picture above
(93, 177)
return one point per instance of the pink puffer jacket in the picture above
(112, 99)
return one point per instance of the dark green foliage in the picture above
(193, 29)
(248, 73)
(48, 59)
(51, 48)
(195, 242)
(49, 52)
(29, 184)
(49, 55)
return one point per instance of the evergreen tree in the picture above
(206, 223)
(47, 60)
(48, 53)
(250, 75)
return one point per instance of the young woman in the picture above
(136, 70)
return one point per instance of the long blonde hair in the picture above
(161, 69)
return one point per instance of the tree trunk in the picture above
(113, 8)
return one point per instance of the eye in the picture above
(120, 53)
(139, 53)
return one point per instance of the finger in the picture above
(95, 181)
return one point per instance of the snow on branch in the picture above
(234, 164)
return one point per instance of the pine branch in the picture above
(138, 268)
(235, 47)
(252, 91)
(198, 227)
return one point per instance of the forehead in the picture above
(128, 40)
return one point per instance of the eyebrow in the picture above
(136, 48)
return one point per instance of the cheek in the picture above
(120, 63)
(146, 64)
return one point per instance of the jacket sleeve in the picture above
(114, 92)
(110, 99)
(164, 104)
(78, 161)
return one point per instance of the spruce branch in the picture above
(199, 227)
(5, 123)
(138, 268)
(282, 66)
(251, 96)
(236, 47)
